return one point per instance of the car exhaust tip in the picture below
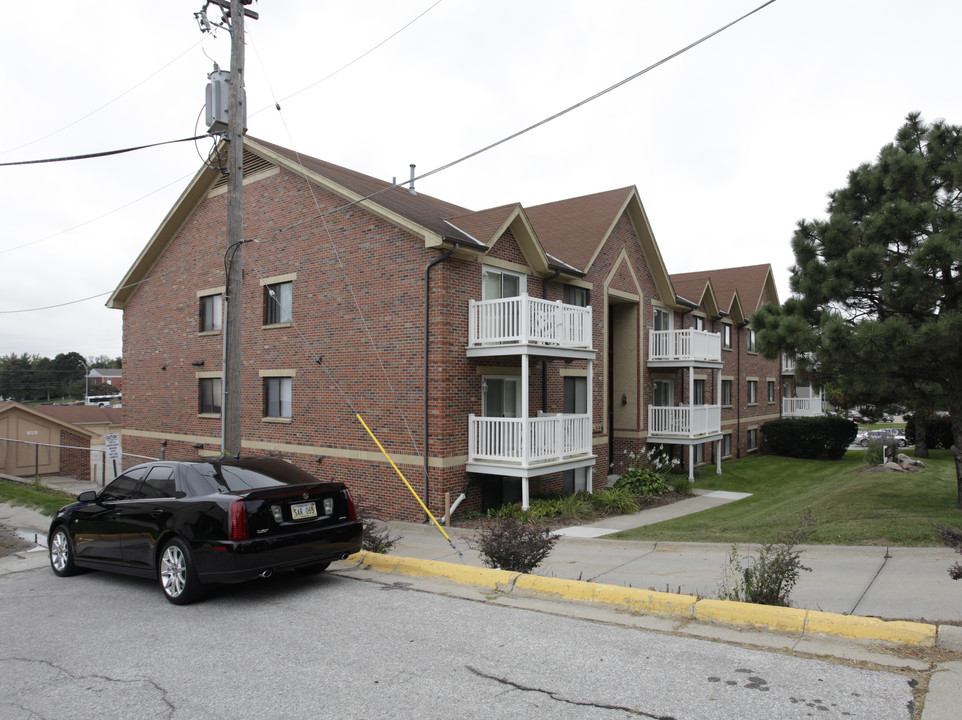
(267, 573)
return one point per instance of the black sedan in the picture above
(190, 524)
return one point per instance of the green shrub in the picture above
(875, 452)
(509, 544)
(938, 432)
(770, 578)
(615, 501)
(680, 484)
(376, 537)
(644, 482)
(823, 437)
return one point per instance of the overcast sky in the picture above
(729, 144)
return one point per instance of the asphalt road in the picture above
(333, 646)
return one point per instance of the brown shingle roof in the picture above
(749, 282)
(80, 414)
(571, 230)
(427, 211)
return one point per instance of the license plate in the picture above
(303, 510)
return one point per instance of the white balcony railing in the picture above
(525, 443)
(684, 421)
(684, 346)
(801, 407)
(525, 319)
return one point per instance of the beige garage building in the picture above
(32, 442)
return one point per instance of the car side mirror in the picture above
(88, 496)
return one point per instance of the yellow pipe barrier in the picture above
(401, 475)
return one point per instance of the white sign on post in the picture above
(112, 441)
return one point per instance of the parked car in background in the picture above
(884, 435)
(190, 524)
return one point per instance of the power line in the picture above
(346, 65)
(94, 219)
(106, 104)
(104, 153)
(538, 124)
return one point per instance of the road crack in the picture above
(68, 674)
(558, 698)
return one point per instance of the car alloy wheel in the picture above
(173, 571)
(178, 577)
(61, 554)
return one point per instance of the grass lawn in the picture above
(851, 504)
(42, 499)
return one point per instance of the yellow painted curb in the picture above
(867, 628)
(646, 601)
(462, 574)
(752, 615)
(748, 615)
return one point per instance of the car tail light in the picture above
(351, 510)
(237, 527)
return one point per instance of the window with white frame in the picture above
(753, 439)
(663, 319)
(278, 303)
(278, 397)
(499, 283)
(771, 391)
(726, 392)
(663, 393)
(726, 336)
(750, 334)
(500, 396)
(209, 395)
(698, 322)
(752, 394)
(211, 312)
(699, 453)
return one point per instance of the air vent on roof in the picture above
(253, 164)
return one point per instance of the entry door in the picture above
(501, 397)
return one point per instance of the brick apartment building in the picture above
(497, 353)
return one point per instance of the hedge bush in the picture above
(938, 432)
(826, 437)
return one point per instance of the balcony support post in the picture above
(718, 444)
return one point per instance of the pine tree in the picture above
(877, 286)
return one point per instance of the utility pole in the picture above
(232, 380)
(234, 320)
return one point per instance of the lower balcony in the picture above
(801, 407)
(684, 423)
(528, 447)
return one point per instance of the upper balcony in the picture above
(684, 347)
(801, 407)
(523, 324)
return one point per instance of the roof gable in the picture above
(421, 215)
(575, 230)
(40, 416)
(737, 291)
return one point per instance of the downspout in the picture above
(427, 316)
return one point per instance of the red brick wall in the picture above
(75, 463)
